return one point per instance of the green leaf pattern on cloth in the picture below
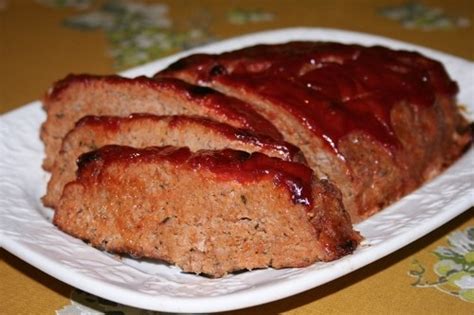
(244, 16)
(415, 15)
(454, 268)
(77, 4)
(138, 32)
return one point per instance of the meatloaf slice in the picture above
(79, 95)
(143, 130)
(377, 122)
(209, 212)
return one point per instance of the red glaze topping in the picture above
(237, 134)
(227, 164)
(333, 89)
(228, 106)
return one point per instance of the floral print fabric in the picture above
(454, 269)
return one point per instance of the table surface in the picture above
(44, 40)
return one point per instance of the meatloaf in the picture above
(209, 212)
(143, 130)
(79, 95)
(375, 121)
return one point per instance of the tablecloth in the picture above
(44, 40)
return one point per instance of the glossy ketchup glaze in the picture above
(333, 89)
(113, 123)
(227, 106)
(227, 164)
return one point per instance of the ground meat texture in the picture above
(76, 96)
(143, 130)
(209, 212)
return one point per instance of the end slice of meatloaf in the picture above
(209, 212)
(144, 130)
(79, 95)
(375, 121)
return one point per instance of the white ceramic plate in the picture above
(27, 232)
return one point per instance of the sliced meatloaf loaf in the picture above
(143, 130)
(375, 121)
(79, 95)
(210, 212)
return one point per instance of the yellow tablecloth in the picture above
(43, 40)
